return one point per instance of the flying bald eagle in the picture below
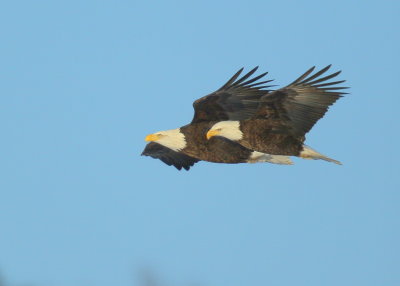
(237, 99)
(244, 121)
(284, 117)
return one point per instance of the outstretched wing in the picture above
(302, 103)
(237, 99)
(168, 156)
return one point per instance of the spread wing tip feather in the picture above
(241, 82)
(304, 75)
(235, 100)
(304, 101)
(313, 79)
(232, 79)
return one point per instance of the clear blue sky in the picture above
(82, 83)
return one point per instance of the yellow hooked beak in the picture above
(212, 133)
(152, 137)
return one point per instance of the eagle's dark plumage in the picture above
(168, 156)
(235, 100)
(303, 102)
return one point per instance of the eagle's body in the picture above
(244, 122)
(191, 145)
(219, 150)
(275, 139)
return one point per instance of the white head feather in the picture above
(173, 139)
(228, 129)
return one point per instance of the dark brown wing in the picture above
(237, 99)
(302, 103)
(168, 156)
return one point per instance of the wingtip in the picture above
(252, 71)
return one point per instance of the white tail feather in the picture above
(258, 157)
(309, 153)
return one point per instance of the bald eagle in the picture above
(245, 122)
(237, 99)
(284, 116)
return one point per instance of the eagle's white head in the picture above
(228, 129)
(173, 139)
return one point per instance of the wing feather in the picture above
(168, 156)
(246, 76)
(317, 74)
(237, 99)
(232, 79)
(303, 76)
(302, 103)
